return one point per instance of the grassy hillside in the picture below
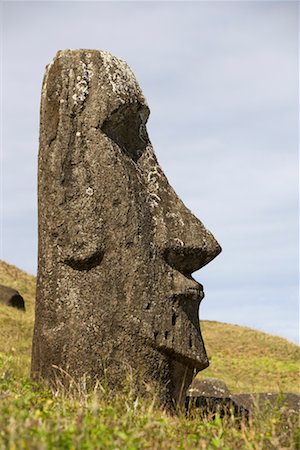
(34, 418)
(16, 326)
(247, 360)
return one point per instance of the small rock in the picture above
(208, 387)
(209, 406)
(11, 297)
(289, 401)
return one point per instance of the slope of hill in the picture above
(32, 417)
(247, 360)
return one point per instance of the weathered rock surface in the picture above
(117, 247)
(210, 396)
(209, 387)
(11, 297)
(209, 406)
(290, 402)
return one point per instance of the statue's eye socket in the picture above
(127, 128)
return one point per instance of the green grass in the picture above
(33, 417)
(249, 360)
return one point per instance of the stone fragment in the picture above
(117, 247)
(11, 297)
(209, 387)
(288, 402)
(210, 407)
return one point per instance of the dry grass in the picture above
(34, 418)
(247, 360)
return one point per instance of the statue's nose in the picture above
(188, 255)
(181, 238)
(186, 245)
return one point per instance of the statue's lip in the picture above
(194, 293)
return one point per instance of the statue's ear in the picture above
(79, 238)
(67, 196)
(78, 226)
(75, 224)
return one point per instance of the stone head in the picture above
(117, 247)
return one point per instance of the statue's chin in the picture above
(195, 362)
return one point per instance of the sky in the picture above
(221, 80)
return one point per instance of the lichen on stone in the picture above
(82, 86)
(120, 76)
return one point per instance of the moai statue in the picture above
(117, 247)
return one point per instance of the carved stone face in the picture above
(117, 247)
